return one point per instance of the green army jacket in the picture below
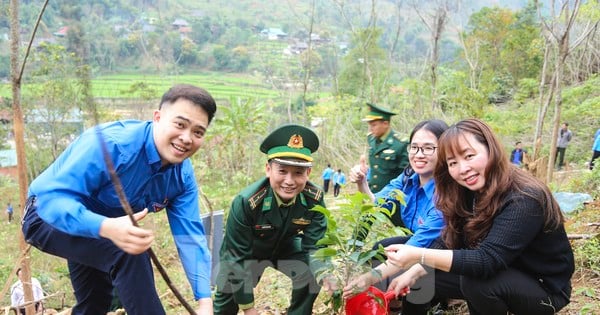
(257, 229)
(387, 159)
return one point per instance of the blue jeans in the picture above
(96, 266)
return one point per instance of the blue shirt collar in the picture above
(151, 150)
(428, 188)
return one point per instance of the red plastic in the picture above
(370, 302)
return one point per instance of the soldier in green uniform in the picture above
(270, 225)
(388, 155)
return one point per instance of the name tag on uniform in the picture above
(389, 151)
(263, 227)
(301, 221)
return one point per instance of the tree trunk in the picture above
(20, 146)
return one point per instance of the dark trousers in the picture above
(560, 153)
(336, 190)
(38, 308)
(96, 266)
(326, 185)
(304, 286)
(509, 291)
(10, 216)
(595, 155)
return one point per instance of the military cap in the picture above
(291, 145)
(377, 113)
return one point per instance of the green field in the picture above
(219, 85)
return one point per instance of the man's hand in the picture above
(131, 239)
(251, 311)
(358, 175)
(358, 285)
(330, 284)
(205, 306)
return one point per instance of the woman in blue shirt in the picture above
(419, 214)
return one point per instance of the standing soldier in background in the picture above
(388, 155)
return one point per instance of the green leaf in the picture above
(366, 257)
(324, 253)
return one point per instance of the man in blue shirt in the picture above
(595, 148)
(74, 212)
(9, 211)
(327, 173)
(517, 154)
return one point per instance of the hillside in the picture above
(118, 57)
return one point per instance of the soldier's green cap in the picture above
(378, 113)
(291, 145)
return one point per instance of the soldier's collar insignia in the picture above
(296, 142)
(267, 204)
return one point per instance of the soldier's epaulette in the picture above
(258, 196)
(399, 137)
(312, 191)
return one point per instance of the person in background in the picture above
(9, 212)
(517, 154)
(17, 295)
(595, 149)
(326, 176)
(564, 137)
(388, 155)
(504, 247)
(339, 180)
(270, 224)
(74, 212)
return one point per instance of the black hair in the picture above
(435, 126)
(194, 94)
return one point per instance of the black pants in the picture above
(326, 185)
(509, 291)
(560, 153)
(336, 190)
(595, 155)
(96, 266)
(38, 308)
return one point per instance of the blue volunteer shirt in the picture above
(327, 173)
(75, 193)
(419, 214)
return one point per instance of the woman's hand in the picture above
(401, 284)
(402, 256)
